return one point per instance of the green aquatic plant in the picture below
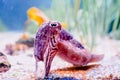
(2, 26)
(116, 27)
(87, 20)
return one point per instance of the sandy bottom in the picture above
(23, 63)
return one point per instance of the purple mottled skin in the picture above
(52, 39)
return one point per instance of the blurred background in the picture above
(94, 23)
(13, 14)
(85, 19)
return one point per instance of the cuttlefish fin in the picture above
(96, 58)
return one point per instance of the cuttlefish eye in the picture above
(55, 27)
(53, 24)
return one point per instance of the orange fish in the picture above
(37, 15)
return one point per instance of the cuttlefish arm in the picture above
(49, 55)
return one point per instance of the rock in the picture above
(29, 42)
(4, 64)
